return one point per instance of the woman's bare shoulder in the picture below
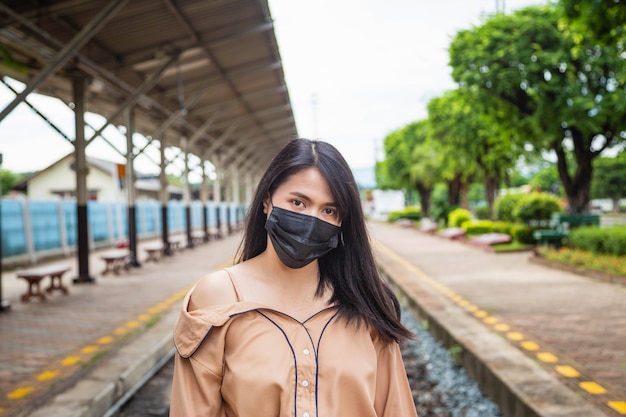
(214, 289)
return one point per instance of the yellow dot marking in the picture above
(592, 387)
(490, 320)
(89, 349)
(502, 327)
(567, 371)
(481, 313)
(20, 393)
(132, 324)
(528, 345)
(153, 310)
(464, 303)
(143, 317)
(162, 306)
(119, 331)
(105, 340)
(515, 336)
(547, 357)
(70, 360)
(619, 406)
(472, 309)
(46, 375)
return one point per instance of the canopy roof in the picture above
(205, 74)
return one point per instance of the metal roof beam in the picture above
(67, 52)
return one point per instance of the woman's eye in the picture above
(330, 212)
(297, 203)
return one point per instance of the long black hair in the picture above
(349, 269)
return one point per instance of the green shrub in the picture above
(522, 233)
(458, 216)
(607, 241)
(411, 213)
(536, 206)
(482, 212)
(480, 227)
(504, 206)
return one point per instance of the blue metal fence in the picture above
(34, 228)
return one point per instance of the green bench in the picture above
(561, 224)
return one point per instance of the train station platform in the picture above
(541, 342)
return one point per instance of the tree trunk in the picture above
(577, 187)
(491, 192)
(424, 193)
(454, 191)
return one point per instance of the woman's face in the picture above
(306, 192)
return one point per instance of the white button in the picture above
(305, 351)
(305, 415)
(305, 383)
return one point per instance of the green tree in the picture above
(425, 170)
(478, 138)
(570, 88)
(547, 180)
(609, 179)
(8, 180)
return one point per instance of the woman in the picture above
(302, 325)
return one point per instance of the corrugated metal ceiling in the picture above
(224, 66)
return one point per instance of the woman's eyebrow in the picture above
(308, 199)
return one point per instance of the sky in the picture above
(356, 71)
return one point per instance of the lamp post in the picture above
(5, 305)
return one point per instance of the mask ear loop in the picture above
(341, 236)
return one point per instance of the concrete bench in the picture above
(116, 261)
(198, 237)
(154, 251)
(36, 275)
(452, 233)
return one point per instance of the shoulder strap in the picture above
(234, 283)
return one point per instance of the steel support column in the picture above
(80, 163)
(164, 194)
(130, 188)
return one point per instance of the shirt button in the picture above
(305, 383)
(305, 351)
(305, 415)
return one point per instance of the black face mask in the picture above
(300, 239)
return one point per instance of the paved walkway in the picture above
(525, 329)
(570, 327)
(46, 347)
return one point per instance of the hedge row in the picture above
(608, 241)
(411, 213)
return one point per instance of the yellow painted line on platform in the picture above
(143, 317)
(529, 345)
(105, 340)
(119, 331)
(502, 327)
(516, 336)
(20, 393)
(547, 357)
(70, 360)
(47, 375)
(619, 406)
(132, 324)
(567, 371)
(592, 387)
(89, 349)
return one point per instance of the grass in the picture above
(614, 265)
(511, 247)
